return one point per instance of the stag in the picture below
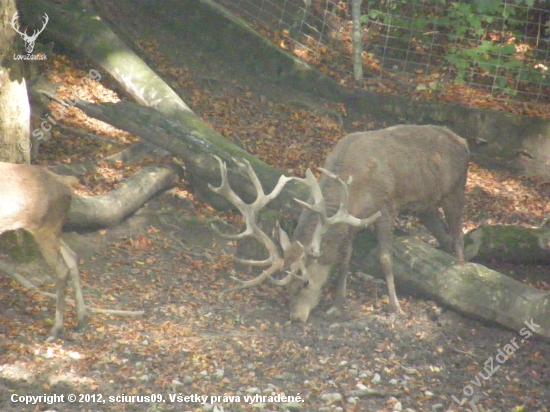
(368, 177)
(38, 201)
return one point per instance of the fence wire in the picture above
(501, 49)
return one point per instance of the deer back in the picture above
(31, 197)
(405, 168)
(401, 168)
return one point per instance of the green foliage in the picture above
(489, 57)
(481, 35)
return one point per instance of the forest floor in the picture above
(235, 350)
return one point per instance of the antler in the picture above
(249, 211)
(342, 216)
(35, 33)
(15, 24)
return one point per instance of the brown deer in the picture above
(369, 176)
(38, 201)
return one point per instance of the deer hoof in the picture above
(52, 337)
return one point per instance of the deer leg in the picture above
(433, 221)
(48, 243)
(340, 296)
(452, 207)
(384, 229)
(70, 259)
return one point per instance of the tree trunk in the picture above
(14, 103)
(467, 287)
(513, 244)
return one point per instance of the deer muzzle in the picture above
(300, 312)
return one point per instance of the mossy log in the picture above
(197, 152)
(513, 244)
(469, 288)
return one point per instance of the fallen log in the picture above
(469, 288)
(191, 145)
(109, 209)
(513, 244)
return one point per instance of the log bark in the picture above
(108, 210)
(190, 143)
(513, 244)
(469, 288)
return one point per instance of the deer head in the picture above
(300, 261)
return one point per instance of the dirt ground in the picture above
(190, 343)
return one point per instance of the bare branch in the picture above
(23, 281)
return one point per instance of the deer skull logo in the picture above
(29, 40)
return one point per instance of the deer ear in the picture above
(284, 239)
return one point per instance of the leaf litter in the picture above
(190, 341)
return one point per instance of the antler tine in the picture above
(319, 201)
(262, 199)
(299, 266)
(318, 207)
(249, 214)
(224, 189)
(266, 274)
(250, 262)
(245, 165)
(344, 198)
(247, 232)
(343, 216)
(247, 210)
(14, 23)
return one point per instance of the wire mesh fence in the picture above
(498, 48)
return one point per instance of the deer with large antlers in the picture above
(368, 178)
